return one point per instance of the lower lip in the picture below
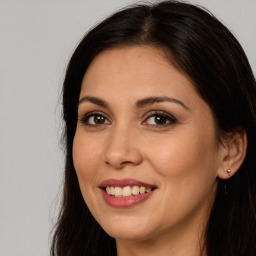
(123, 202)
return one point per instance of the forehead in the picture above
(135, 72)
(133, 55)
(133, 60)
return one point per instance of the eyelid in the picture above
(159, 112)
(82, 118)
(165, 114)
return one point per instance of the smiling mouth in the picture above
(127, 190)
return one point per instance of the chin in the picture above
(127, 229)
(127, 235)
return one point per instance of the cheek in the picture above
(186, 153)
(86, 155)
(86, 161)
(187, 167)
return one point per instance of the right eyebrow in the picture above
(152, 100)
(94, 100)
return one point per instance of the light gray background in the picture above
(36, 41)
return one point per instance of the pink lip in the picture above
(129, 201)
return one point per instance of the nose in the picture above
(122, 149)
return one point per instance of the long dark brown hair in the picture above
(201, 47)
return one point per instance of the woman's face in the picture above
(145, 148)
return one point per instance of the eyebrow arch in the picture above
(152, 100)
(94, 100)
(139, 104)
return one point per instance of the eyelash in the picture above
(84, 119)
(162, 114)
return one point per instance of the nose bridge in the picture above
(122, 148)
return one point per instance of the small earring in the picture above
(229, 172)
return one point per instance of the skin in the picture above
(182, 158)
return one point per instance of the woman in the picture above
(160, 114)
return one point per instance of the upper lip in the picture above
(124, 182)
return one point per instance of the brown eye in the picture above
(94, 119)
(99, 119)
(160, 119)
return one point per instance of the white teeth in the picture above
(142, 190)
(112, 191)
(118, 191)
(148, 190)
(135, 190)
(127, 191)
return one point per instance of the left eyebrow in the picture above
(94, 100)
(152, 100)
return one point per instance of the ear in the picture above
(232, 153)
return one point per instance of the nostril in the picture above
(122, 157)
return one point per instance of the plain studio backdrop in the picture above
(36, 42)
